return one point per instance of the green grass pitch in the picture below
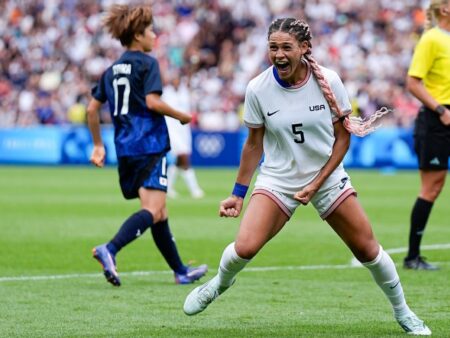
(300, 285)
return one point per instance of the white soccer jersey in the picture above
(299, 133)
(180, 135)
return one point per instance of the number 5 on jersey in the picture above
(300, 137)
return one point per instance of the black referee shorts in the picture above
(431, 140)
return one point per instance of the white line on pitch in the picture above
(76, 275)
(146, 273)
(354, 264)
(422, 247)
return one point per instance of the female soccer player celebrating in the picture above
(297, 115)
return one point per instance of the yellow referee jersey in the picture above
(431, 63)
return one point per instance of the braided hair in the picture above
(300, 30)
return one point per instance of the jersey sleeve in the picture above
(341, 95)
(423, 57)
(253, 116)
(99, 92)
(152, 80)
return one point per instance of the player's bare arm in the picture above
(416, 87)
(98, 153)
(155, 103)
(250, 157)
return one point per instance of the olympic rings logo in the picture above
(209, 145)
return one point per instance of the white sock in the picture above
(385, 275)
(230, 265)
(172, 173)
(191, 180)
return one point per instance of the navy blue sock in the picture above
(164, 241)
(133, 227)
(112, 248)
(419, 218)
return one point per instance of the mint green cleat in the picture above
(413, 325)
(203, 295)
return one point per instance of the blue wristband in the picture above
(240, 190)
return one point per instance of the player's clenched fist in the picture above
(231, 207)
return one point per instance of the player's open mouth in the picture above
(282, 68)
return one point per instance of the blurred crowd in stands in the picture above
(53, 51)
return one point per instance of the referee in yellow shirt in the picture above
(429, 81)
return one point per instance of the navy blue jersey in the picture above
(138, 130)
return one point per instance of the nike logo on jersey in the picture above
(343, 182)
(317, 107)
(272, 113)
(435, 161)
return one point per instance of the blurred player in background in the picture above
(297, 113)
(132, 86)
(429, 81)
(177, 94)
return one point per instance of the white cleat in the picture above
(413, 325)
(203, 295)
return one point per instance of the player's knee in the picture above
(432, 193)
(158, 214)
(432, 188)
(246, 251)
(367, 250)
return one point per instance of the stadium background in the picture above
(52, 52)
(302, 283)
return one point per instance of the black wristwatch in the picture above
(440, 110)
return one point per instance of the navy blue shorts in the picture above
(432, 141)
(148, 171)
